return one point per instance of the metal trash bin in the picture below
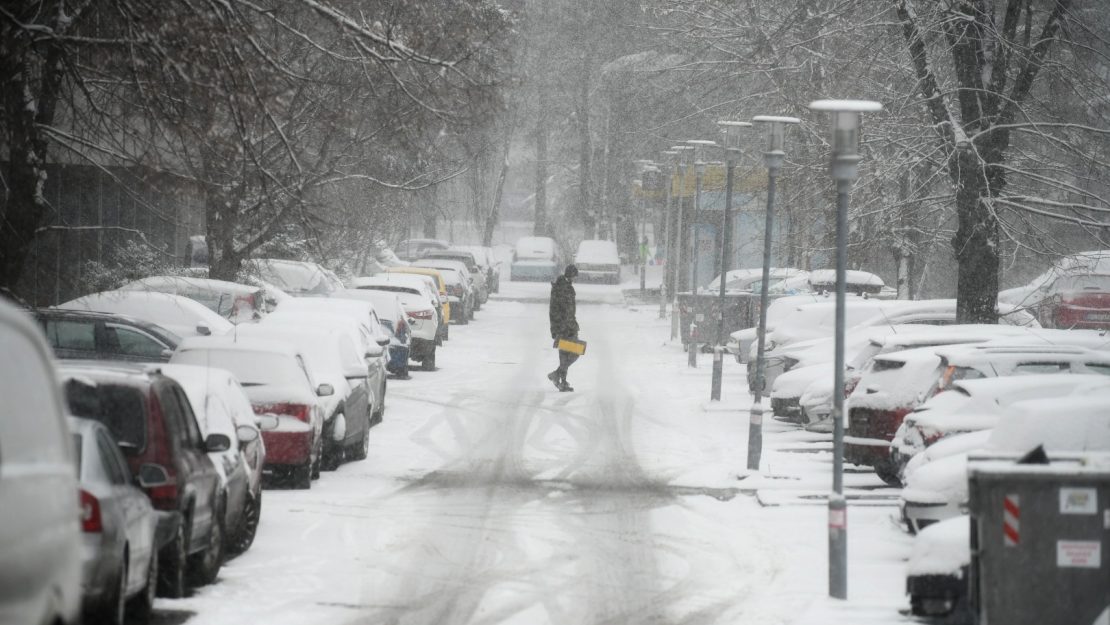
(1040, 541)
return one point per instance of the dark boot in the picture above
(556, 379)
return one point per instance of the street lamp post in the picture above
(844, 168)
(645, 167)
(699, 145)
(772, 158)
(667, 174)
(679, 235)
(730, 141)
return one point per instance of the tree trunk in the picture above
(975, 244)
(585, 151)
(29, 105)
(539, 225)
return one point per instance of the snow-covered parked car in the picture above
(937, 571)
(598, 260)
(466, 262)
(1039, 290)
(183, 316)
(416, 297)
(276, 378)
(222, 407)
(396, 321)
(331, 357)
(119, 531)
(897, 383)
(297, 278)
(535, 258)
(487, 261)
(815, 401)
(235, 302)
(975, 405)
(749, 280)
(40, 532)
(1064, 426)
(414, 249)
(824, 281)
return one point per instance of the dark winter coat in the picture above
(563, 321)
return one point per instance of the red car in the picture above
(277, 381)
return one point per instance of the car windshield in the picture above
(122, 409)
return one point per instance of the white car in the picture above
(183, 316)
(815, 401)
(750, 280)
(235, 302)
(976, 405)
(40, 525)
(276, 377)
(222, 406)
(416, 298)
(535, 258)
(1078, 264)
(598, 260)
(119, 528)
(1074, 424)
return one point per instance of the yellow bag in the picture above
(573, 347)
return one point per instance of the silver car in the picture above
(119, 530)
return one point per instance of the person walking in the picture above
(564, 325)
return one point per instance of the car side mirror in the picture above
(204, 330)
(375, 350)
(325, 390)
(267, 422)
(246, 434)
(167, 353)
(382, 342)
(216, 443)
(152, 475)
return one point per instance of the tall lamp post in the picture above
(844, 168)
(730, 141)
(699, 145)
(644, 167)
(679, 236)
(772, 158)
(667, 174)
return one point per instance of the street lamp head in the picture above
(845, 122)
(699, 146)
(777, 131)
(730, 134)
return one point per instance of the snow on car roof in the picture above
(179, 314)
(170, 284)
(412, 281)
(1073, 423)
(941, 548)
(329, 304)
(535, 248)
(234, 343)
(851, 276)
(596, 251)
(387, 304)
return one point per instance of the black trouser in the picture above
(566, 359)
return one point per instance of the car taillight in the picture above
(90, 513)
(302, 412)
(422, 314)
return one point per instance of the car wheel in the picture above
(204, 566)
(362, 449)
(333, 457)
(888, 472)
(429, 363)
(141, 605)
(447, 332)
(171, 575)
(319, 459)
(301, 475)
(248, 525)
(464, 318)
(113, 606)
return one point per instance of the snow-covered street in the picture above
(490, 497)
